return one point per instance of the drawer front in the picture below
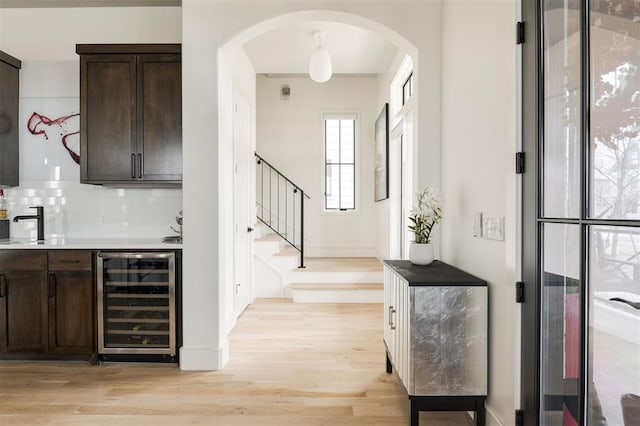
(70, 260)
(23, 260)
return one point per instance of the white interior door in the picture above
(243, 223)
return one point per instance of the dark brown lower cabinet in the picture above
(71, 302)
(24, 311)
(47, 304)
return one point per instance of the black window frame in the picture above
(327, 164)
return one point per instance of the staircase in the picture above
(323, 280)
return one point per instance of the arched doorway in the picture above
(208, 152)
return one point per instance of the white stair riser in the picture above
(334, 277)
(266, 248)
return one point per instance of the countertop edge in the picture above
(91, 244)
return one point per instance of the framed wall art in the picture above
(381, 176)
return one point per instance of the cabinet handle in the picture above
(3, 286)
(393, 325)
(133, 166)
(140, 166)
(389, 316)
(52, 285)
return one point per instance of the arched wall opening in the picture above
(209, 43)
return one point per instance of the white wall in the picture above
(289, 136)
(479, 115)
(238, 79)
(51, 34)
(45, 39)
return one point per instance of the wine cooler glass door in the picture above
(136, 313)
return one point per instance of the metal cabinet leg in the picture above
(414, 414)
(480, 413)
(389, 366)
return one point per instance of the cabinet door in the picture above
(159, 102)
(23, 311)
(402, 330)
(107, 118)
(389, 302)
(71, 304)
(9, 88)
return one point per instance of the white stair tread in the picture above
(288, 251)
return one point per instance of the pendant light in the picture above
(320, 68)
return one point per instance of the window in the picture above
(340, 162)
(407, 89)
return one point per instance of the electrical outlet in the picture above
(493, 228)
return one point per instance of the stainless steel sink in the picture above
(7, 242)
(173, 239)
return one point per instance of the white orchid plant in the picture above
(425, 215)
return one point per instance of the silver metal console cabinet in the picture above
(435, 332)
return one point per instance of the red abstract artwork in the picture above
(39, 124)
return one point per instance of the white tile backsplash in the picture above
(74, 210)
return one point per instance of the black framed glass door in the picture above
(581, 213)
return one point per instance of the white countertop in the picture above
(91, 244)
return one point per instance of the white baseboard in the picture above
(492, 418)
(204, 359)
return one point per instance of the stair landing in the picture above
(338, 280)
(343, 264)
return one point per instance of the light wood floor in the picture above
(291, 364)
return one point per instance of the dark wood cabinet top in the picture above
(8, 59)
(132, 49)
(435, 274)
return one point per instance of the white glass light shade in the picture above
(320, 68)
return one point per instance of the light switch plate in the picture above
(477, 224)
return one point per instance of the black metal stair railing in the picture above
(280, 205)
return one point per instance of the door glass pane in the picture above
(614, 326)
(561, 170)
(560, 325)
(615, 109)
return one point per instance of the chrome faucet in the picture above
(39, 216)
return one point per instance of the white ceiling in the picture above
(353, 50)
(285, 50)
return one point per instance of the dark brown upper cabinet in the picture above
(9, 98)
(130, 114)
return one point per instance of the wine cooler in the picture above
(136, 303)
